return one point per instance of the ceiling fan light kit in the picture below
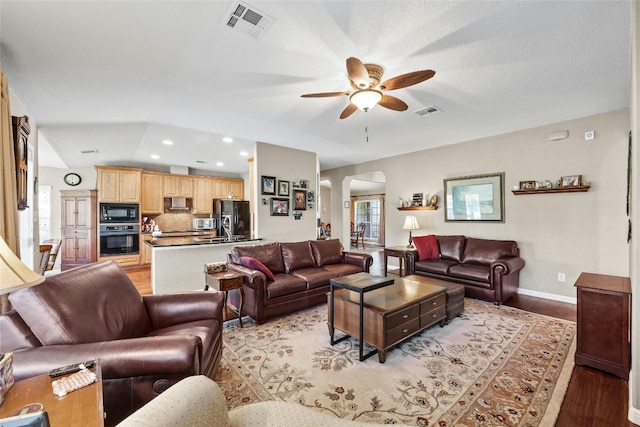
(368, 91)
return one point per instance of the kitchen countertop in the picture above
(192, 240)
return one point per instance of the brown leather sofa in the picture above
(301, 271)
(488, 269)
(144, 343)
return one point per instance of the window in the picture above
(368, 211)
(44, 211)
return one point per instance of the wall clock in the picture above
(72, 179)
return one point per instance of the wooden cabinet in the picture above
(21, 130)
(203, 195)
(603, 323)
(178, 186)
(145, 250)
(152, 199)
(118, 185)
(123, 260)
(222, 187)
(79, 234)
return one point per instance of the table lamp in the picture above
(14, 274)
(411, 223)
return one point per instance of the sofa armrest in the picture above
(361, 260)
(252, 278)
(507, 265)
(197, 398)
(173, 309)
(157, 355)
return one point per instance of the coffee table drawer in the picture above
(433, 303)
(428, 319)
(401, 332)
(403, 316)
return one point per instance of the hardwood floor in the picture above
(593, 398)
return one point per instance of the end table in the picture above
(402, 253)
(226, 281)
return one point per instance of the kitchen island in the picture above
(177, 262)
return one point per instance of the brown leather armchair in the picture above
(144, 343)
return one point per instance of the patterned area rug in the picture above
(492, 366)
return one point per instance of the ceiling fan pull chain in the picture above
(366, 126)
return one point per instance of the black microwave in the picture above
(118, 212)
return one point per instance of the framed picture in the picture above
(311, 197)
(283, 188)
(571, 181)
(279, 206)
(527, 185)
(299, 200)
(475, 198)
(268, 185)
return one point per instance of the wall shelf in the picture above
(580, 189)
(418, 208)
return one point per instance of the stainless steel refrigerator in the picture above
(233, 218)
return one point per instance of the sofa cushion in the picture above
(315, 277)
(269, 254)
(285, 284)
(342, 269)
(437, 266)
(253, 263)
(94, 303)
(296, 256)
(451, 247)
(484, 251)
(326, 251)
(427, 247)
(478, 273)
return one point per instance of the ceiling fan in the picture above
(368, 91)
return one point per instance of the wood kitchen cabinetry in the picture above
(145, 250)
(222, 187)
(119, 185)
(203, 197)
(178, 186)
(79, 234)
(152, 197)
(604, 322)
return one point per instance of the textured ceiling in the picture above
(119, 77)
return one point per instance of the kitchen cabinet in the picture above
(123, 260)
(604, 322)
(178, 186)
(79, 233)
(118, 185)
(222, 187)
(152, 197)
(145, 250)
(203, 195)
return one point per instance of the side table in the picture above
(82, 407)
(226, 281)
(401, 252)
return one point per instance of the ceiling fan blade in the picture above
(408, 79)
(358, 73)
(351, 108)
(393, 103)
(324, 94)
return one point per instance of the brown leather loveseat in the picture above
(144, 343)
(301, 273)
(488, 269)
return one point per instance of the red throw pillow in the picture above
(247, 261)
(427, 247)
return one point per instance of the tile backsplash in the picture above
(174, 221)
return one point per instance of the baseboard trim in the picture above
(634, 413)
(545, 295)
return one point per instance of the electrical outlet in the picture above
(561, 277)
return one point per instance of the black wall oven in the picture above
(118, 213)
(119, 239)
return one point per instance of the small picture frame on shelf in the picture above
(571, 181)
(527, 185)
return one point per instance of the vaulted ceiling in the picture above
(113, 79)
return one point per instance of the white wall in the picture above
(289, 165)
(567, 232)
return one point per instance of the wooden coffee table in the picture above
(390, 314)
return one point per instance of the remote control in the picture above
(64, 370)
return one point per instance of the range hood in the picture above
(179, 204)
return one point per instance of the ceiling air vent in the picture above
(428, 111)
(248, 20)
(94, 151)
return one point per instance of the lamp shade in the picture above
(365, 99)
(411, 223)
(14, 274)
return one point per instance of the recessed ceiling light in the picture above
(219, 164)
(167, 142)
(227, 139)
(155, 156)
(244, 153)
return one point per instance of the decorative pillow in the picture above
(427, 247)
(249, 262)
